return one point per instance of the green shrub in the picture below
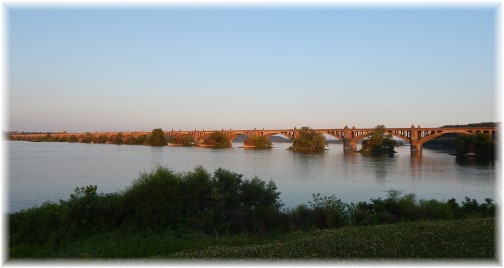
(217, 139)
(157, 138)
(308, 141)
(217, 204)
(259, 142)
(329, 211)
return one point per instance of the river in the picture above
(49, 171)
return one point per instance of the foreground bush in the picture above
(217, 204)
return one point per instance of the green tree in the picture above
(171, 140)
(378, 143)
(309, 141)
(188, 140)
(157, 138)
(142, 139)
(259, 142)
(480, 144)
(217, 140)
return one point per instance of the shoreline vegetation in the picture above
(198, 215)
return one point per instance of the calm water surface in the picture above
(42, 171)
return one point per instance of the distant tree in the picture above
(188, 140)
(171, 140)
(157, 138)
(141, 139)
(72, 138)
(259, 142)
(102, 138)
(309, 141)
(87, 138)
(116, 138)
(129, 139)
(480, 144)
(119, 138)
(49, 137)
(482, 124)
(217, 140)
(378, 143)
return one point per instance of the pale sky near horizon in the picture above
(126, 69)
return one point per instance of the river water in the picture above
(44, 171)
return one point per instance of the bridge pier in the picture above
(416, 148)
(349, 145)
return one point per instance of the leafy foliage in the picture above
(217, 139)
(329, 211)
(72, 138)
(184, 140)
(259, 142)
(217, 204)
(157, 138)
(102, 138)
(87, 138)
(378, 143)
(309, 141)
(480, 144)
(116, 138)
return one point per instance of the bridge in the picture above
(351, 137)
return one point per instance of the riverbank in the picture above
(465, 240)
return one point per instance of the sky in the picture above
(136, 69)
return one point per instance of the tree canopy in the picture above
(217, 140)
(378, 143)
(259, 142)
(309, 141)
(480, 144)
(157, 138)
(184, 140)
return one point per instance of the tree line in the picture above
(155, 138)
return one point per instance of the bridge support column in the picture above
(416, 147)
(349, 145)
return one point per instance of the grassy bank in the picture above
(462, 239)
(470, 239)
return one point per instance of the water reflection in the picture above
(50, 171)
(416, 164)
(308, 165)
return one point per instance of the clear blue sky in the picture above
(184, 68)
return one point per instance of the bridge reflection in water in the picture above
(416, 136)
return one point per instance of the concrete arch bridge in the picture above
(351, 137)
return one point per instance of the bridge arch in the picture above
(285, 135)
(233, 136)
(428, 136)
(402, 137)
